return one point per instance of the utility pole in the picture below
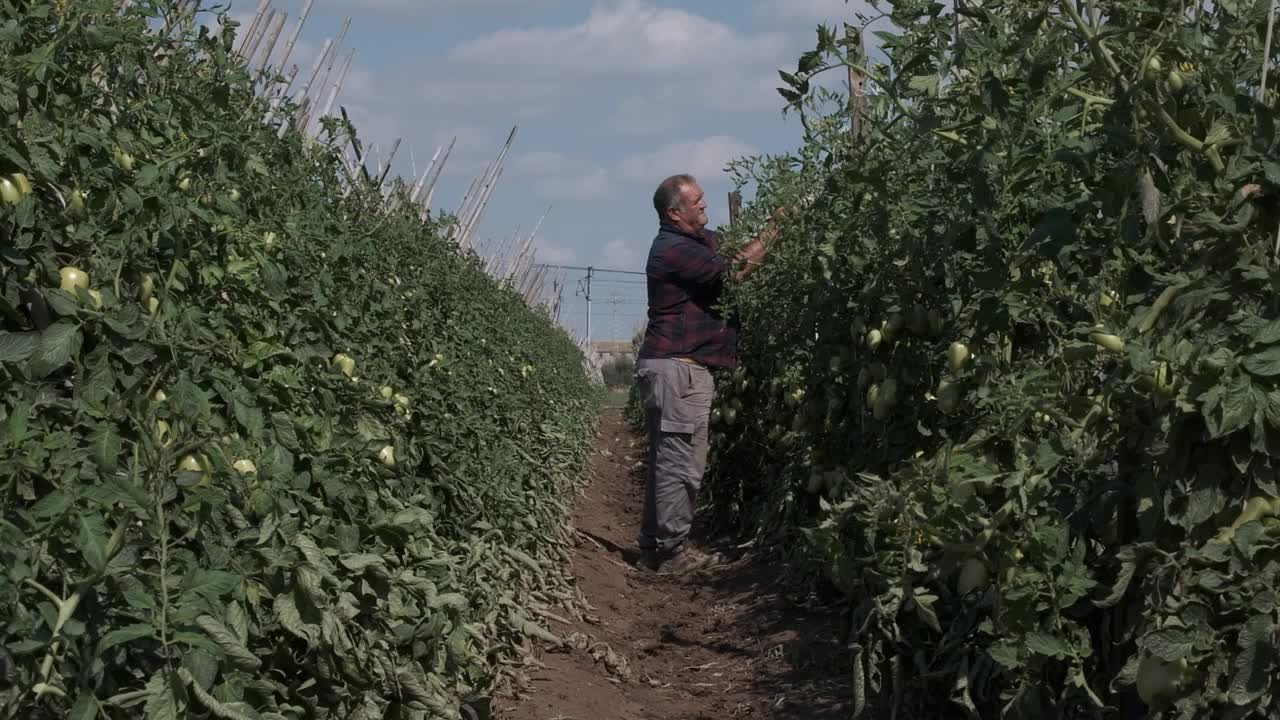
(590, 270)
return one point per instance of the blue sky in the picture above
(609, 96)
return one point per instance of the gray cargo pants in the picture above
(676, 396)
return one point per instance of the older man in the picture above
(686, 339)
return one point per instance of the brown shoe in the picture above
(687, 560)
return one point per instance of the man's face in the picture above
(692, 213)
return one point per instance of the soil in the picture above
(729, 642)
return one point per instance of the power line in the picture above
(588, 269)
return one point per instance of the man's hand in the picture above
(753, 255)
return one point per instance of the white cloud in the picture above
(811, 12)
(704, 159)
(553, 254)
(645, 50)
(559, 177)
(629, 37)
(621, 255)
(410, 8)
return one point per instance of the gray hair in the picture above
(667, 196)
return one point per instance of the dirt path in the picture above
(724, 644)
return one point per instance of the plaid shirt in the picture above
(685, 275)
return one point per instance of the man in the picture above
(685, 340)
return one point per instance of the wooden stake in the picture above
(857, 90)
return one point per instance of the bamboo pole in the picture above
(308, 115)
(479, 210)
(315, 70)
(297, 31)
(486, 192)
(253, 26)
(260, 32)
(466, 197)
(337, 87)
(431, 184)
(421, 180)
(269, 47)
(276, 98)
(391, 156)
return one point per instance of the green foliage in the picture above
(201, 514)
(1015, 535)
(618, 372)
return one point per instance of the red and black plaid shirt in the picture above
(685, 275)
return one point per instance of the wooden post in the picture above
(857, 82)
(735, 206)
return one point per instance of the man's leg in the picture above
(677, 399)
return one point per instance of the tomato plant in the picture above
(1016, 360)
(201, 513)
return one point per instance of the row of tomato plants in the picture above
(272, 446)
(1008, 385)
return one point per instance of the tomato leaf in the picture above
(1263, 364)
(210, 584)
(1169, 643)
(86, 707)
(164, 700)
(1048, 645)
(93, 541)
(58, 344)
(17, 347)
(106, 447)
(191, 401)
(1257, 651)
(232, 647)
(125, 634)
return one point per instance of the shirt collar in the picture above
(669, 227)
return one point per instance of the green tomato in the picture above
(388, 456)
(196, 464)
(345, 364)
(1114, 343)
(949, 396)
(21, 182)
(957, 356)
(124, 160)
(9, 193)
(72, 278)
